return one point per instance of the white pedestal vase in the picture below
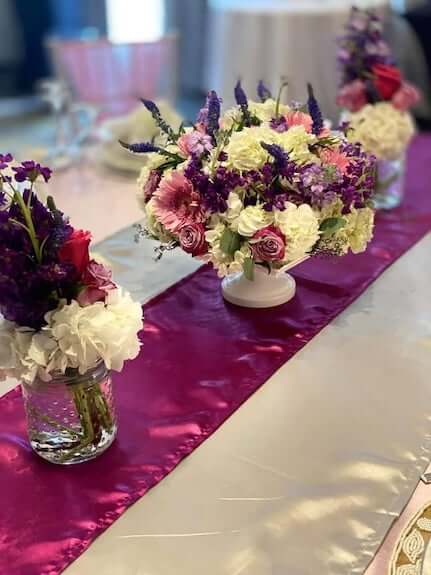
(265, 290)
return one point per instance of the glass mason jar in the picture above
(390, 183)
(71, 418)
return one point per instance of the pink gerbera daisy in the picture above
(335, 158)
(177, 203)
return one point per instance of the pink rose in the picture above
(75, 250)
(297, 118)
(406, 97)
(268, 245)
(151, 185)
(352, 96)
(194, 143)
(97, 282)
(192, 239)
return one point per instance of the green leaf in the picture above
(331, 225)
(248, 268)
(230, 242)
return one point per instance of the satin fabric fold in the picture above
(201, 359)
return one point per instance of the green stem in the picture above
(277, 105)
(31, 231)
(53, 422)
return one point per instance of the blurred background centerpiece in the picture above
(66, 66)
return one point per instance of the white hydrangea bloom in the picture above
(300, 226)
(74, 337)
(296, 142)
(234, 208)
(244, 150)
(382, 130)
(250, 220)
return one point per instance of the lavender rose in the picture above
(192, 239)
(268, 245)
(97, 282)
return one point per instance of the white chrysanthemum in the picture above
(382, 130)
(104, 331)
(244, 150)
(250, 220)
(296, 141)
(300, 227)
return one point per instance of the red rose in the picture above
(75, 250)
(192, 239)
(98, 281)
(268, 245)
(387, 80)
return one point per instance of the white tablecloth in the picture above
(267, 39)
(308, 475)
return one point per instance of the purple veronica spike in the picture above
(240, 96)
(213, 106)
(314, 110)
(277, 152)
(263, 92)
(155, 112)
(140, 148)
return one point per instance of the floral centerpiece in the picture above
(66, 323)
(256, 190)
(377, 98)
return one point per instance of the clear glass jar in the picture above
(71, 418)
(390, 183)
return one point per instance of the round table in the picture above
(267, 39)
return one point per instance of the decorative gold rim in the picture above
(409, 553)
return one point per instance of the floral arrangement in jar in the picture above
(65, 324)
(256, 190)
(377, 100)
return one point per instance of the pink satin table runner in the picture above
(201, 359)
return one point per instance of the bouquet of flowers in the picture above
(263, 184)
(63, 314)
(373, 89)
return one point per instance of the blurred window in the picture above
(135, 20)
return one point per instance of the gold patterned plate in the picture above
(412, 555)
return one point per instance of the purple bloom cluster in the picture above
(29, 287)
(362, 47)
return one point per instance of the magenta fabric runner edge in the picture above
(49, 550)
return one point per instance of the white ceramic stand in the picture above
(266, 290)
